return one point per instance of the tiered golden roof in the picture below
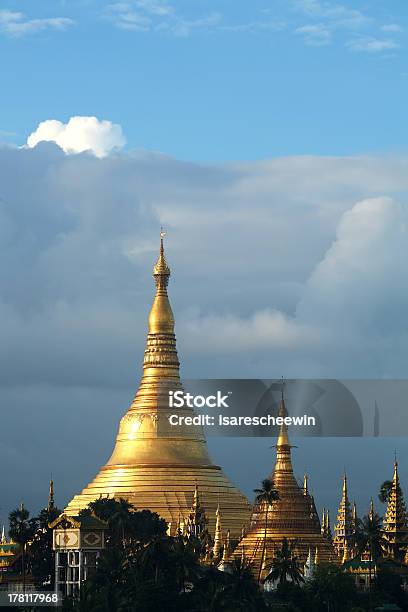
(153, 465)
(293, 516)
(395, 520)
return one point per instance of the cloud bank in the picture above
(288, 264)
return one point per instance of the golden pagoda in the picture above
(293, 516)
(154, 465)
(343, 530)
(395, 521)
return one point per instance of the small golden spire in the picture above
(305, 481)
(217, 534)
(323, 525)
(346, 555)
(329, 535)
(372, 511)
(226, 551)
(263, 564)
(344, 526)
(316, 558)
(161, 271)
(161, 318)
(51, 504)
(3, 536)
(283, 438)
(345, 484)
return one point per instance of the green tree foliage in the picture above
(41, 553)
(285, 565)
(331, 590)
(385, 491)
(265, 496)
(22, 530)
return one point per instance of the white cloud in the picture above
(371, 45)
(80, 134)
(357, 289)
(156, 16)
(15, 23)
(265, 329)
(391, 27)
(338, 15)
(315, 35)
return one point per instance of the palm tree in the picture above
(285, 565)
(266, 495)
(370, 539)
(22, 530)
(121, 517)
(185, 561)
(155, 555)
(242, 590)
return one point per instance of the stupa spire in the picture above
(291, 516)
(343, 528)
(395, 520)
(283, 472)
(323, 524)
(305, 484)
(227, 547)
(217, 534)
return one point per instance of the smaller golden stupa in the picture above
(293, 516)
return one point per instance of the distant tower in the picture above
(395, 521)
(343, 529)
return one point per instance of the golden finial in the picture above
(323, 525)
(346, 555)
(283, 438)
(305, 487)
(226, 551)
(161, 319)
(51, 504)
(161, 270)
(372, 511)
(217, 534)
(316, 558)
(345, 483)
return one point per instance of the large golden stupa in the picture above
(292, 516)
(153, 465)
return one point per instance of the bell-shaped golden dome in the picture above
(153, 465)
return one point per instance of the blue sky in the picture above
(208, 80)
